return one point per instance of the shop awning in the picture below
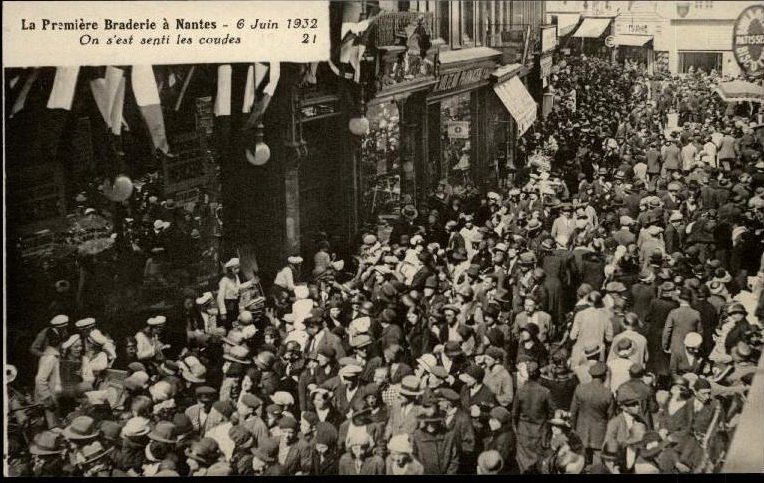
(518, 102)
(740, 91)
(632, 40)
(592, 27)
(566, 23)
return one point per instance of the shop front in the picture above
(458, 124)
(638, 38)
(592, 32)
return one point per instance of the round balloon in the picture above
(120, 190)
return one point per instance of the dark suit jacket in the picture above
(592, 406)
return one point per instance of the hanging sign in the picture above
(459, 129)
(748, 40)
(610, 41)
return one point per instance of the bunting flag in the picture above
(223, 97)
(147, 96)
(21, 100)
(109, 94)
(268, 88)
(64, 84)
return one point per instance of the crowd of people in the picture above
(601, 314)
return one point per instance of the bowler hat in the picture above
(81, 428)
(164, 432)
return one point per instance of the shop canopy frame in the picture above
(740, 91)
(592, 28)
(632, 40)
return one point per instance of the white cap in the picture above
(234, 262)
(89, 211)
(84, 323)
(59, 320)
(205, 298)
(296, 260)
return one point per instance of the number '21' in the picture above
(308, 39)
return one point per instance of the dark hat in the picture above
(475, 372)
(224, 407)
(267, 451)
(626, 395)
(205, 451)
(327, 351)
(164, 432)
(531, 328)
(94, 451)
(288, 422)
(252, 401)
(110, 430)
(182, 424)
(501, 414)
(598, 369)
(274, 410)
(495, 353)
(448, 394)
(636, 370)
(452, 349)
(326, 434)
(205, 391)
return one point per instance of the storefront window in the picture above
(455, 127)
(380, 162)
(700, 60)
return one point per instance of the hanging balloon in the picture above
(120, 190)
(260, 153)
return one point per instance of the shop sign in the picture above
(459, 129)
(548, 38)
(610, 41)
(455, 80)
(748, 40)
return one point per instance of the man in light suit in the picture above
(531, 314)
(201, 414)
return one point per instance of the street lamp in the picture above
(359, 124)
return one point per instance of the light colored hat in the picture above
(97, 397)
(234, 262)
(282, 398)
(693, 339)
(428, 361)
(136, 426)
(350, 371)
(369, 239)
(295, 260)
(501, 247)
(204, 299)
(493, 196)
(89, 211)
(85, 323)
(59, 321)
(161, 391)
(654, 230)
(676, 216)
(192, 370)
(158, 320)
(626, 220)
(400, 444)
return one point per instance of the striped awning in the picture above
(566, 23)
(592, 27)
(632, 40)
(518, 102)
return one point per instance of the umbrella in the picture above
(739, 91)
